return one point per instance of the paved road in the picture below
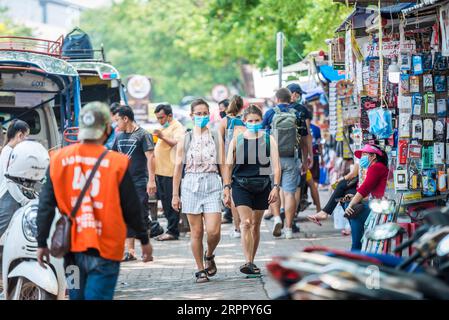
(171, 275)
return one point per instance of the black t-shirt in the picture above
(302, 110)
(134, 145)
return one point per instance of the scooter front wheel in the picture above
(27, 290)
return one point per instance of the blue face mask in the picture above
(201, 121)
(364, 162)
(254, 127)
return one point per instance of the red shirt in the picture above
(375, 181)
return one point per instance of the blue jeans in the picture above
(97, 278)
(358, 226)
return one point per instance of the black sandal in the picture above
(255, 268)
(211, 268)
(201, 276)
(250, 268)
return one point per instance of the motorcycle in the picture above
(323, 273)
(23, 278)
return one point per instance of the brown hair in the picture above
(252, 109)
(235, 106)
(284, 95)
(198, 102)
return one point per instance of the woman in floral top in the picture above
(202, 154)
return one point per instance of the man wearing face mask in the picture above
(376, 161)
(165, 153)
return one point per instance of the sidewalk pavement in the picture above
(171, 274)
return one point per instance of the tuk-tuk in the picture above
(100, 81)
(34, 81)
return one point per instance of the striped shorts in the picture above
(201, 193)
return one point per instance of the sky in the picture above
(91, 3)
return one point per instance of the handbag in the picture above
(253, 185)
(61, 239)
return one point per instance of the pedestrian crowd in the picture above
(250, 166)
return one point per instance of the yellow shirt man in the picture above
(164, 153)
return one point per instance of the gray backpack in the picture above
(284, 128)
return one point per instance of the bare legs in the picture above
(290, 208)
(212, 222)
(131, 245)
(250, 228)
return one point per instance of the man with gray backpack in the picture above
(288, 127)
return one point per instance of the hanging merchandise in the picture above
(380, 123)
(429, 103)
(440, 124)
(414, 151)
(438, 153)
(417, 105)
(417, 65)
(442, 181)
(417, 130)
(441, 107)
(405, 61)
(415, 84)
(402, 151)
(414, 177)
(427, 61)
(400, 179)
(429, 183)
(428, 82)
(428, 130)
(404, 123)
(440, 83)
(405, 84)
(427, 157)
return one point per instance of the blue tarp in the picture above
(330, 74)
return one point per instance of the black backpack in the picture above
(77, 45)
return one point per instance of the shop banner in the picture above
(390, 48)
(444, 23)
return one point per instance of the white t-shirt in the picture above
(4, 158)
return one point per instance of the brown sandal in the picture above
(201, 276)
(211, 267)
(166, 237)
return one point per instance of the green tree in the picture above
(147, 38)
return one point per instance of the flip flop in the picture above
(314, 220)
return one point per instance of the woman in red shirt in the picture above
(376, 160)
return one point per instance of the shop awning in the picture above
(330, 74)
(361, 14)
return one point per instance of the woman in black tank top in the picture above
(252, 157)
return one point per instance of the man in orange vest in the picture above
(110, 205)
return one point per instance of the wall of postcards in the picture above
(423, 135)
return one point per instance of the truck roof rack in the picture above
(79, 55)
(33, 45)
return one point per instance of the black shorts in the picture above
(243, 197)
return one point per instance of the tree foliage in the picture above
(187, 46)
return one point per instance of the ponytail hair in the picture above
(383, 158)
(235, 106)
(15, 127)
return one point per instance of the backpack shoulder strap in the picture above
(216, 139)
(277, 110)
(268, 144)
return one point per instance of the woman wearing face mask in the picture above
(201, 151)
(376, 161)
(252, 156)
(11, 197)
(232, 125)
(18, 130)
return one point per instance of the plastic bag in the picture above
(340, 222)
(380, 123)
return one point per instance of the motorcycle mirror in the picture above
(443, 247)
(384, 232)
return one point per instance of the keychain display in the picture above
(427, 157)
(440, 124)
(417, 65)
(400, 179)
(441, 107)
(417, 104)
(428, 82)
(442, 181)
(417, 129)
(406, 62)
(415, 84)
(429, 103)
(438, 153)
(428, 130)
(429, 183)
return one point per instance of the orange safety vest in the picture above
(99, 222)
